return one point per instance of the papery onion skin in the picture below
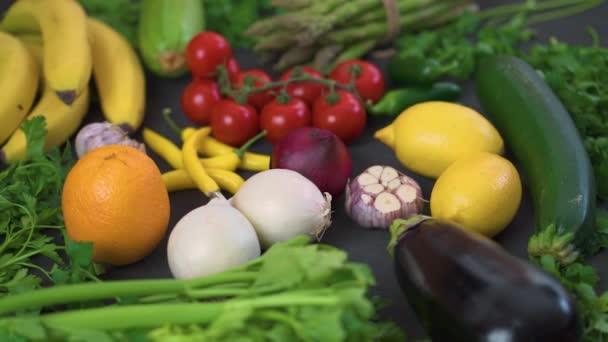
(399, 199)
(281, 204)
(211, 239)
(318, 155)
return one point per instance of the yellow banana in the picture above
(62, 121)
(67, 62)
(119, 76)
(19, 75)
(33, 43)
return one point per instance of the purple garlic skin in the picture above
(100, 134)
(380, 195)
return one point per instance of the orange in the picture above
(115, 197)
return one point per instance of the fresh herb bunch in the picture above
(296, 291)
(122, 15)
(579, 77)
(453, 50)
(30, 208)
(592, 307)
(231, 18)
(577, 74)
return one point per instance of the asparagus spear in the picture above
(413, 20)
(325, 56)
(354, 51)
(379, 14)
(339, 16)
(295, 56)
(276, 41)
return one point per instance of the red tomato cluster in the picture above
(278, 110)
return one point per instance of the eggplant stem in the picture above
(400, 226)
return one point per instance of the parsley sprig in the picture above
(32, 232)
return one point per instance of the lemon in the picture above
(430, 136)
(482, 192)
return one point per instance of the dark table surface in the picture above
(367, 246)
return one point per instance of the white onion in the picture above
(281, 204)
(211, 239)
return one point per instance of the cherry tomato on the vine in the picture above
(307, 91)
(233, 69)
(345, 117)
(198, 99)
(205, 52)
(369, 81)
(281, 116)
(257, 99)
(232, 123)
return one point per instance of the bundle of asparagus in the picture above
(321, 33)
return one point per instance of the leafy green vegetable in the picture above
(296, 291)
(577, 74)
(579, 77)
(122, 15)
(30, 207)
(232, 17)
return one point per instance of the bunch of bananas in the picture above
(51, 47)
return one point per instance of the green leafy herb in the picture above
(232, 17)
(579, 77)
(577, 74)
(31, 221)
(122, 15)
(296, 291)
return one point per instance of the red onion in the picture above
(318, 155)
(380, 195)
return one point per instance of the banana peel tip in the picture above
(66, 96)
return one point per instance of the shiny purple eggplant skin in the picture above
(465, 287)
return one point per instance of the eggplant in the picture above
(465, 287)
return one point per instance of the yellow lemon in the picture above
(481, 191)
(430, 136)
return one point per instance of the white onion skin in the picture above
(281, 204)
(211, 239)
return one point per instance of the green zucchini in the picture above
(164, 31)
(542, 137)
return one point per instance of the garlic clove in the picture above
(388, 174)
(374, 189)
(375, 171)
(407, 193)
(394, 184)
(99, 134)
(367, 179)
(387, 202)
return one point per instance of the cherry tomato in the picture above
(369, 81)
(279, 118)
(198, 99)
(345, 118)
(205, 52)
(258, 99)
(233, 69)
(307, 91)
(232, 123)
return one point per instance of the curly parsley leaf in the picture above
(31, 222)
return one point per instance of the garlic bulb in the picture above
(381, 194)
(99, 134)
